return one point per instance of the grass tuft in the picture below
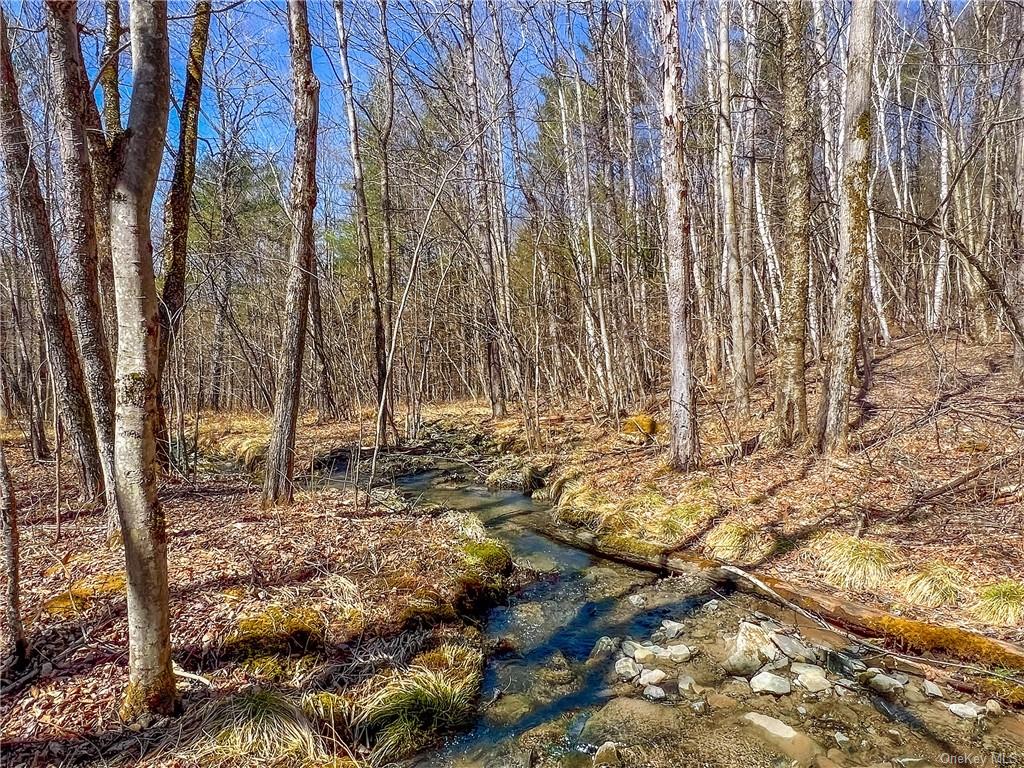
(1001, 603)
(739, 542)
(852, 563)
(417, 707)
(261, 726)
(935, 585)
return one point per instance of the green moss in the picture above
(489, 555)
(84, 592)
(641, 425)
(143, 699)
(276, 630)
(959, 643)
(631, 545)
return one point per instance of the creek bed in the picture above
(550, 696)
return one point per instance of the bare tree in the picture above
(151, 687)
(277, 487)
(12, 553)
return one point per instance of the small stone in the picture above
(607, 754)
(654, 693)
(638, 601)
(672, 629)
(884, 684)
(648, 655)
(793, 648)
(678, 653)
(968, 711)
(711, 606)
(914, 695)
(767, 682)
(604, 645)
(626, 668)
(932, 689)
(629, 647)
(651, 677)
(842, 740)
(686, 683)
(700, 707)
(770, 725)
(993, 708)
(658, 637)
(46, 669)
(807, 669)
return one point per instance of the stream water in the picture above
(550, 695)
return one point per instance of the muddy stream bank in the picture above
(598, 663)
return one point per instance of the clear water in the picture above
(550, 628)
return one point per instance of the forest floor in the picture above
(331, 589)
(272, 610)
(936, 416)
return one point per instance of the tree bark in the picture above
(833, 422)
(12, 553)
(70, 93)
(179, 200)
(791, 401)
(22, 182)
(277, 488)
(151, 688)
(682, 403)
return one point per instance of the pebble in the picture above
(629, 647)
(637, 600)
(793, 648)
(652, 676)
(711, 606)
(627, 668)
(648, 655)
(842, 739)
(672, 628)
(767, 682)
(932, 689)
(968, 711)
(884, 683)
(654, 693)
(993, 708)
(686, 683)
(678, 653)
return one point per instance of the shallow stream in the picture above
(550, 695)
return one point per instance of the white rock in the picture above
(770, 725)
(637, 600)
(767, 682)
(648, 655)
(686, 683)
(932, 689)
(654, 693)
(607, 754)
(651, 677)
(748, 651)
(792, 647)
(672, 628)
(629, 647)
(968, 710)
(677, 653)
(814, 683)
(626, 668)
(884, 683)
(807, 669)
(993, 708)
(711, 606)
(842, 739)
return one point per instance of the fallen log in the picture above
(905, 634)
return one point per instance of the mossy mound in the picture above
(85, 592)
(515, 476)
(276, 630)
(482, 581)
(640, 427)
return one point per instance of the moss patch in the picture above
(84, 592)
(276, 630)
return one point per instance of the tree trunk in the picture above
(277, 488)
(23, 185)
(12, 553)
(682, 403)
(791, 401)
(80, 219)
(151, 688)
(179, 200)
(833, 422)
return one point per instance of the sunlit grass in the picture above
(935, 585)
(1001, 603)
(854, 563)
(739, 542)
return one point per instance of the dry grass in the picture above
(855, 564)
(1001, 603)
(935, 585)
(737, 541)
